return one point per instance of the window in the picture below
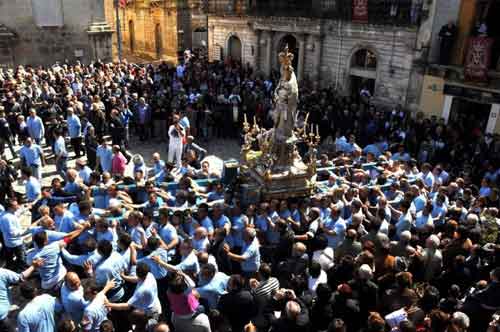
(48, 13)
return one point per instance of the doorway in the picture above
(234, 46)
(293, 47)
(131, 34)
(469, 116)
(158, 43)
(363, 72)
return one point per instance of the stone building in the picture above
(446, 92)
(331, 46)
(43, 31)
(159, 29)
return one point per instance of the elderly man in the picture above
(32, 156)
(143, 117)
(75, 132)
(35, 126)
(250, 253)
(176, 135)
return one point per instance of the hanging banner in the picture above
(478, 59)
(360, 11)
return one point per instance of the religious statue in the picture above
(286, 98)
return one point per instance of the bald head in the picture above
(72, 280)
(161, 327)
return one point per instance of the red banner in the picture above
(360, 11)
(478, 59)
(123, 3)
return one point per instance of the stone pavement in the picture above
(218, 149)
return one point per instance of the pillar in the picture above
(302, 51)
(466, 20)
(257, 54)
(448, 101)
(492, 120)
(318, 41)
(269, 55)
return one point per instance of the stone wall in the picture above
(327, 46)
(44, 45)
(220, 29)
(145, 20)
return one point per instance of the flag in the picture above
(360, 11)
(121, 3)
(478, 59)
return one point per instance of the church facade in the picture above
(334, 42)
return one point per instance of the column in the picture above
(257, 55)
(492, 120)
(318, 41)
(302, 51)
(448, 101)
(269, 51)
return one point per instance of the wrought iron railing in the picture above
(382, 12)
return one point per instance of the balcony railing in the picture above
(382, 12)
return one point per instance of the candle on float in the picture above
(254, 120)
(307, 117)
(317, 130)
(245, 117)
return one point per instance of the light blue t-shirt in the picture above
(33, 189)
(251, 254)
(74, 126)
(111, 269)
(65, 223)
(52, 271)
(214, 289)
(94, 314)
(189, 263)
(11, 230)
(167, 234)
(156, 269)
(7, 278)
(31, 154)
(93, 257)
(105, 157)
(60, 147)
(338, 225)
(145, 296)
(38, 315)
(73, 302)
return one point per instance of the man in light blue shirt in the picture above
(32, 156)
(84, 171)
(75, 132)
(7, 279)
(12, 234)
(145, 297)
(250, 254)
(32, 186)
(35, 126)
(334, 228)
(212, 285)
(104, 155)
(72, 298)
(60, 153)
(39, 313)
(96, 312)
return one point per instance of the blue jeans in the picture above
(61, 166)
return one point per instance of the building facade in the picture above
(43, 31)
(447, 92)
(331, 47)
(159, 29)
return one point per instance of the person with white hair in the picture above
(250, 253)
(432, 258)
(175, 144)
(460, 321)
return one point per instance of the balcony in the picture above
(380, 12)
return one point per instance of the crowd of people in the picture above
(402, 237)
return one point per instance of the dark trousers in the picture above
(7, 325)
(76, 143)
(142, 129)
(19, 253)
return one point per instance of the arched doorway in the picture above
(200, 37)
(131, 34)
(234, 48)
(362, 72)
(293, 47)
(158, 43)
